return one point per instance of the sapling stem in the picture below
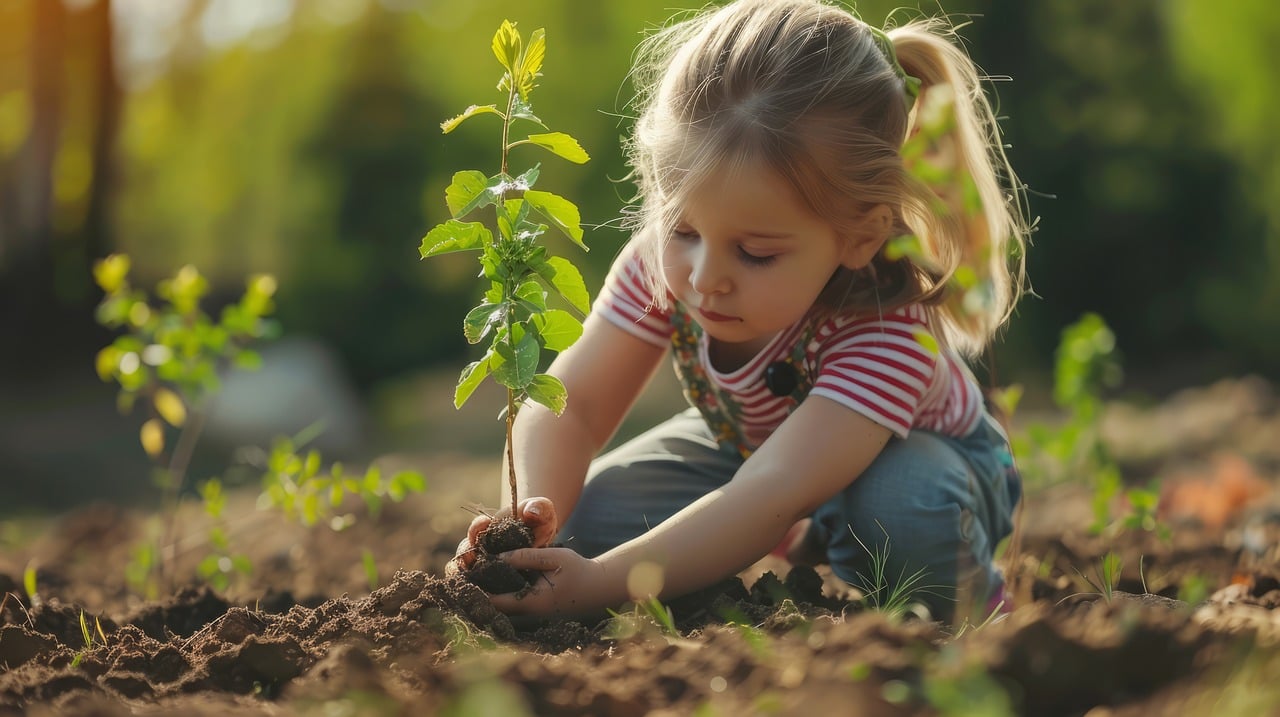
(511, 464)
(499, 237)
(178, 464)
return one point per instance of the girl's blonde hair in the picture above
(803, 86)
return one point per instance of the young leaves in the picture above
(514, 316)
(561, 145)
(560, 211)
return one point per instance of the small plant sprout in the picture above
(30, 583)
(1108, 576)
(514, 315)
(221, 564)
(893, 600)
(296, 484)
(88, 636)
(169, 357)
(370, 569)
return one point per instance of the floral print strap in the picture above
(719, 409)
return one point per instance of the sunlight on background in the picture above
(302, 139)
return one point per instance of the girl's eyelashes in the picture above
(753, 260)
(743, 255)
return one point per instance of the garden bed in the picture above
(1189, 627)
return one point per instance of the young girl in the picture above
(826, 376)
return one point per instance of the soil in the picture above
(1192, 626)
(491, 574)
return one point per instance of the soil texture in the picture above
(1190, 626)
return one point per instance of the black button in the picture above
(781, 378)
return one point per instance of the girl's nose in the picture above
(707, 274)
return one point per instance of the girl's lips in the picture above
(713, 316)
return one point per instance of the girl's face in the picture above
(748, 257)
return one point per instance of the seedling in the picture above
(1108, 575)
(514, 315)
(1086, 364)
(896, 599)
(370, 569)
(29, 583)
(88, 638)
(169, 358)
(647, 612)
(221, 564)
(297, 485)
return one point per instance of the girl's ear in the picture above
(867, 237)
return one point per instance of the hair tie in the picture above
(912, 84)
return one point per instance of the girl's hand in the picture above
(569, 583)
(537, 513)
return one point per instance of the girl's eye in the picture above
(753, 260)
(683, 235)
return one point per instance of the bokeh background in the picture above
(301, 138)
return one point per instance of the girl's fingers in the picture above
(540, 515)
(540, 559)
(477, 526)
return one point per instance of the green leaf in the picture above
(481, 320)
(170, 407)
(410, 481)
(370, 569)
(519, 364)
(549, 391)
(532, 292)
(453, 236)
(927, 341)
(106, 362)
(471, 377)
(152, 437)
(521, 109)
(567, 280)
(562, 145)
(559, 329)
(562, 213)
(467, 192)
(312, 466)
(531, 63)
(506, 46)
(110, 272)
(452, 123)
(372, 479)
(904, 246)
(248, 360)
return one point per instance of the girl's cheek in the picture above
(674, 267)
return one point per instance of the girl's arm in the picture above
(814, 454)
(604, 372)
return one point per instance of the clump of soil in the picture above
(491, 574)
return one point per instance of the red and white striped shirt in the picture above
(885, 368)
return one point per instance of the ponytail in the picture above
(962, 199)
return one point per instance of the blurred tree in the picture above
(1228, 60)
(359, 282)
(1099, 121)
(60, 124)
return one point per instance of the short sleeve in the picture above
(879, 367)
(626, 301)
